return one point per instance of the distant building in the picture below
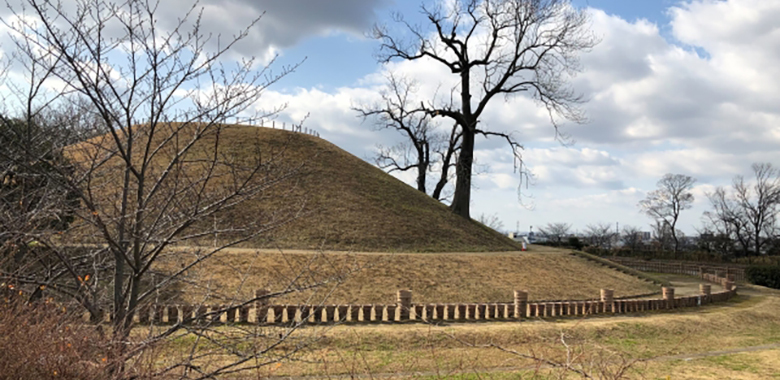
(522, 237)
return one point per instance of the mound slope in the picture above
(342, 202)
(352, 205)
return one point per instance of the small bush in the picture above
(575, 243)
(41, 341)
(768, 276)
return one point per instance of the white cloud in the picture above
(704, 104)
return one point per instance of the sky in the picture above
(683, 87)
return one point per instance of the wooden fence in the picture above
(681, 267)
(404, 310)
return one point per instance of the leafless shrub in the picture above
(119, 159)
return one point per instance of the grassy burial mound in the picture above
(352, 205)
(336, 200)
(433, 277)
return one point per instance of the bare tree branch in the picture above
(504, 48)
(666, 203)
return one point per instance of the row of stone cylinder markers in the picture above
(261, 312)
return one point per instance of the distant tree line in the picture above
(742, 222)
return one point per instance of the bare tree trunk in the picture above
(462, 197)
(461, 200)
(422, 170)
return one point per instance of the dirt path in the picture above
(689, 285)
(533, 249)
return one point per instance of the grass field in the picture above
(546, 273)
(678, 344)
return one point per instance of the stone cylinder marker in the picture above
(668, 294)
(404, 301)
(607, 297)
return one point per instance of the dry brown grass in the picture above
(347, 204)
(433, 277)
(761, 365)
(353, 205)
(435, 351)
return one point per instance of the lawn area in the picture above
(657, 345)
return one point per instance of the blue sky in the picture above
(674, 86)
(353, 54)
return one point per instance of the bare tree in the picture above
(448, 148)
(426, 148)
(711, 240)
(495, 48)
(662, 236)
(631, 237)
(759, 202)
(726, 219)
(666, 203)
(749, 212)
(555, 232)
(150, 171)
(600, 235)
(491, 221)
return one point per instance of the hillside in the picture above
(356, 206)
(433, 277)
(342, 202)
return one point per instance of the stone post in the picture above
(607, 296)
(471, 311)
(445, 311)
(186, 312)
(200, 313)
(521, 300)
(482, 311)
(391, 312)
(261, 305)
(728, 284)
(418, 312)
(158, 312)
(668, 294)
(461, 312)
(404, 302)
(705, 289)
(354, 313)
(173, 314)
(290, 311)
(429, 308)
(143, 314)
(343, 311)
(366, 309)
(330, 314)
